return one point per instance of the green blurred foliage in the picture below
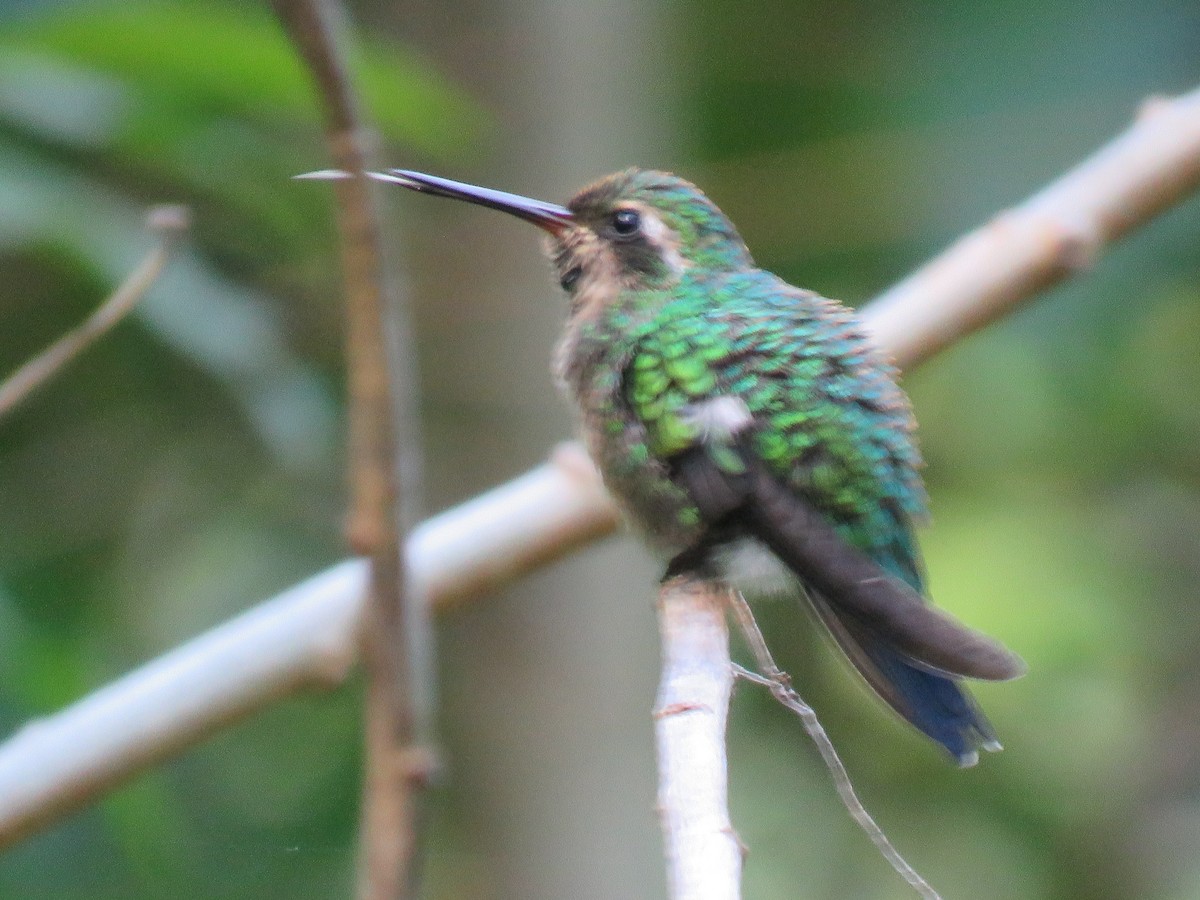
(191, 462)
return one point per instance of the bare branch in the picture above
(396, 649)
(780, 685)
(1058, 232)
(554, 509)
(704, 856)
(303, 638)
(169, 223)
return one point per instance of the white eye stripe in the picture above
(664, 239)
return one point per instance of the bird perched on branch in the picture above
(735, 418)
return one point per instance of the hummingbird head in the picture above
(643, 229)
(634, 230)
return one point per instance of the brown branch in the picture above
(169, 223)
(393, 624)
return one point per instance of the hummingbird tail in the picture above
(911, 653)
(864, 592)
(934, 703)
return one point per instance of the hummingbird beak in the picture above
(548, 216)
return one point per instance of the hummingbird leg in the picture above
(696, 561)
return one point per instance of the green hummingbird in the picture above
(748, 426)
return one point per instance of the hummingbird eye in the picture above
(626, 222)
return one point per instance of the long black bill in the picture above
(549, 216)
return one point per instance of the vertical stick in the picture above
(704, 857)
(395, 767)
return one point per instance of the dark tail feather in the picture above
(812, 548)
(908, 651)
(935, 704)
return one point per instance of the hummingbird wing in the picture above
(777, 420)
(907, 651)
(859, 590)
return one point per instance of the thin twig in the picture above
(381, 392)
(169, 223)
(751, 676)
(780, 686)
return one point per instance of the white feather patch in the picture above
(756, 571)
(718, 419)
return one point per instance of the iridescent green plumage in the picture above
(831, 424)
(726, 409)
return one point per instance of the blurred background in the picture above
(191, 464)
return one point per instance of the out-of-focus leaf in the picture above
(204, 60)
(59, 101)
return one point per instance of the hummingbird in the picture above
(746, 426)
